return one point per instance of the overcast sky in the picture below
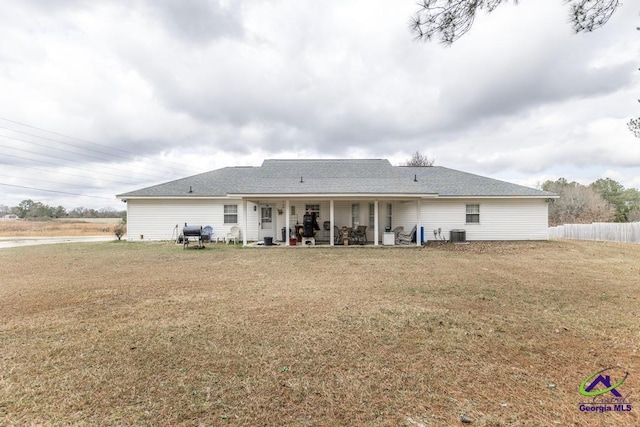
(103, 97)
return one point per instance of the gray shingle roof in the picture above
(368, 176)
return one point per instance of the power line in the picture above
(66, 184)
(57, 165)
(61, 158)
(106, 155)
(50, 147)
(71, 145)
(54, 191)
(175, 165)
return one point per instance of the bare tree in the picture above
(634, 126)
(419, 159)
(578, 204)
(449, 20)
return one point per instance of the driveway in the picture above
(14, 242)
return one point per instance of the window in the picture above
(313, 208)
(372, 216)
(389, 215)
(230, 214)
(355, 215)
(473, 214)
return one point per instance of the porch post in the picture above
(287, 212)
(418, 209)
(375, 223)
(245, 214)
(331, 217)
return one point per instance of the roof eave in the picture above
(490, 196)
(334, 195)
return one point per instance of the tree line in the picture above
(604, 200)
(28, 209)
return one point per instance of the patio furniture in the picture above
(360, 235)
(337, 236)
(407, 238)
(207, 233)
(388, 238)
(233, 235)
(396, 231)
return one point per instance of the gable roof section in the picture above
(329, 176)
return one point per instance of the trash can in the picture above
(268, 241)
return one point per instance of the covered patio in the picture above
(360, 220)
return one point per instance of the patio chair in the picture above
(360, 235)
(397, 232)
(407, 238)
(207, 233)
(337, 236)
(233, 235)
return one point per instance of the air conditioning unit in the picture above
(458, 236)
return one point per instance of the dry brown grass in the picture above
(150, 334)
(77, 227)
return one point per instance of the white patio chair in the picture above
(407, 238)
(399, 229)
(233, 235)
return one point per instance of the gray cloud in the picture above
(234, 82)
(197, 21)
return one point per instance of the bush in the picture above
(119, 230)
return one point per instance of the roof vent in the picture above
(415, 178)
(190, 189)
(301, 180)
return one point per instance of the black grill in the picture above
(193, 233)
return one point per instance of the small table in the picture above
(389, 238)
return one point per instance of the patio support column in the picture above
(418, 212)
(245, 220)
(287, 225)
(375, 223)
(331, 218)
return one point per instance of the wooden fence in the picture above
(604, 231)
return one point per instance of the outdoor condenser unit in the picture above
(458, 236)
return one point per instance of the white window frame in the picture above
(311, 208)
(230, 214)
(472, 213)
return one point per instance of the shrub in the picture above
(119, 230)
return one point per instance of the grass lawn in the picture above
(151, 334)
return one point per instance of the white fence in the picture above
(604, 231)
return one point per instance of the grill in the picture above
(193, 233)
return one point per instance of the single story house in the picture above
(266, 200)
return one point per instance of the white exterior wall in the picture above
(500, 219)
(404, 214)
(157, 219)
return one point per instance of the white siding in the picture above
(162, 219)
(500, 219)
(404, 214)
